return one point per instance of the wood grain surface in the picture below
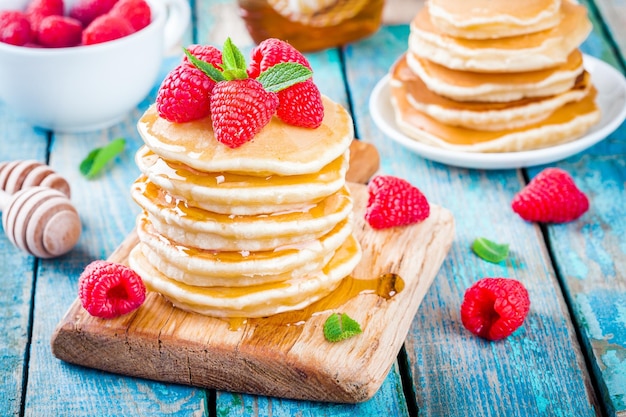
(274, 356)
(567, 359)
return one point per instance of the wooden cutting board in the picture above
(285, 355)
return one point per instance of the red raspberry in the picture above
(394, 202)
(184, 94)
(106, 28)
(271, 52)
(240, 109)
(137, 12)
(552, 196)
(59, 32)
(109, 290)
(14, 28)
(301, 105)
(45, 8)
(38, 9)
(493, 308)
(86, 11)
(206, 53)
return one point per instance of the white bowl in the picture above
(89, 87)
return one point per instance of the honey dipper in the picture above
(17, 175)
(40, 220)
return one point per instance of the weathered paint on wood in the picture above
(590, 268)
(613, 15)
(18, 141)
(590, 255)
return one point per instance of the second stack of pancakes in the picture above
(495, 75)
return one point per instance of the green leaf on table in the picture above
(99, 157)
(283, 75)
(340, 327)
(490, 251)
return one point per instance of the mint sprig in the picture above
(490, 251)
(99, 157)
(339, 327)
(209, 69)
(274, 79)
(284, 75)
(234, 63)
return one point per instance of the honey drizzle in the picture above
(285, 328)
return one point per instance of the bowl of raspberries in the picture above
(79, 65)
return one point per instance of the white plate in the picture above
(611, 99)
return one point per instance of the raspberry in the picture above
(86, 11)
(206, 53)
(109, 290)
(394, 202)
(45, 8)
(271, 52)
(301, 105)
(59, 32)
(106, 28)
(137, 12)
(14, 28)
(184, 94)
(240, 109)
(493, 308)
(37, 10)
(552, 196)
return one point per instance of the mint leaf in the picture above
(283, 75)
(234, 62)
(208, 68)
(490, 251)
(340, 327)
(98, 158)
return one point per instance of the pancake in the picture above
(486, 19)
(278, 148)
(497, 87)
(248, 231)
(565, 124)
(203, 229)
(211, 268)
(482, 115)
(254, 301)
(535, 51)
(240, 194)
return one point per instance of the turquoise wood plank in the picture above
(387, 401)
(612, 14)
(590, 257)
(107, 214)
(597, 44)
(18, 141)
(455, 373)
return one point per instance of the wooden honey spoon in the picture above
(17, 175)
(40, 220)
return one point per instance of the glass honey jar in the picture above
(311, 25)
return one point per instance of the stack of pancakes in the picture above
(245, 232)
(495, 75)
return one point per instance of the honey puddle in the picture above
(284, 328)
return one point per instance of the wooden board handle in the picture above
(364, 162)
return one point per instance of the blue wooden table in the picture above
(568, 359)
